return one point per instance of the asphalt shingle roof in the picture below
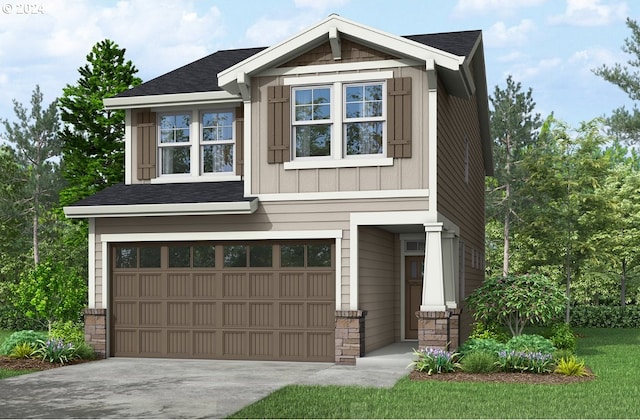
(184, 193)
(202, 75)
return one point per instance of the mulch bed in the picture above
(33, 364)
(502, 377)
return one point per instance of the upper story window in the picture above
(217, 142)
(341, 120)
(175, 143)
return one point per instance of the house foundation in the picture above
(95, 330)
(349, 336)
(439, 329)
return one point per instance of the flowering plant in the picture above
(55, 351)
(523, 361)
(432, 360)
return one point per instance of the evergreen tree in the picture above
(513, 127)
(624, 122)
(35, 138)
(93, 146)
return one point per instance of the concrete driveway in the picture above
(168, 388)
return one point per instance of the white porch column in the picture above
(450, 273)
(433, 281)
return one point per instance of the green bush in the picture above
(23, 351)
(606, 316)
(491, 330)
(85, 352)
(20, 337)
(432, 361)
(69, 332)
(530, 343)
(571, 367)
(525, 361)
(479, 362)
(562, 337)
(562, 354)
(55, 351)
(488, 345)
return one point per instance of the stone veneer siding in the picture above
(95, 330)
(349, 336)
(439, 329)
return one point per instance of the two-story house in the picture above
(313, 201)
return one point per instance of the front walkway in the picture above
(169, 388)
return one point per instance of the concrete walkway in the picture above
(168, 388)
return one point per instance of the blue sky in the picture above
(550, 46)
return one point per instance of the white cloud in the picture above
(499, 35)
(503, 7)
(591, 13)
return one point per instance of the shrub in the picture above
(23, 351)
(515, 301)
(562, 337)
(55, 351)
(479, 362)
(85, 352)
(524, 361)
(432, 360)
(571, 367)
(491, 330)
(530, 343)
(488, 345)
(20, 337)
(69, 332)
(606, 316)
(562, 354)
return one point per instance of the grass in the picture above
(613, 355)
(8, 373)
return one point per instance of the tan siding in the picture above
(405, 173)
(459, 201)
(351, 52)
(377, 287)
(271, 216)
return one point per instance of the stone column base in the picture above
(439, 329)
(349, 336)
(95, 330)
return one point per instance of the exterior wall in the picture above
(405, 173)
(461, 198)
(270, 217)
(351, 52)
(378, 285)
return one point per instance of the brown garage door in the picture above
(258, 300)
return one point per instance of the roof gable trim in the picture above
(178, 209)
(176, 99)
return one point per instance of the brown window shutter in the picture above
(240, 140)
(279, 124)
(399, 117)
(146, 135)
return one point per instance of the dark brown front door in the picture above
(413, 272)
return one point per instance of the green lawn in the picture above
(613, 354)
(7, 373)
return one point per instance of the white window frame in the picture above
(161, 146)
(382, 119)
(202, 142)
(338, 156)
(295, 124)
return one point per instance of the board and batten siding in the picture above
(270, 217)
(405, 173)
(379, 285)
(461, 197)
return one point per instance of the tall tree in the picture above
(513, 126)
(93, 146)
(35, 138)
(625, 122)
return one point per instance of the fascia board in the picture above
(180, 209)
(176, 99)
(364, 34)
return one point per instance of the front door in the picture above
(413, 273)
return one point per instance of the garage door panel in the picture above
(261, 315)
(151, 285)
(179, 285)
(261, 285)
(234, 285)
(222, 312)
